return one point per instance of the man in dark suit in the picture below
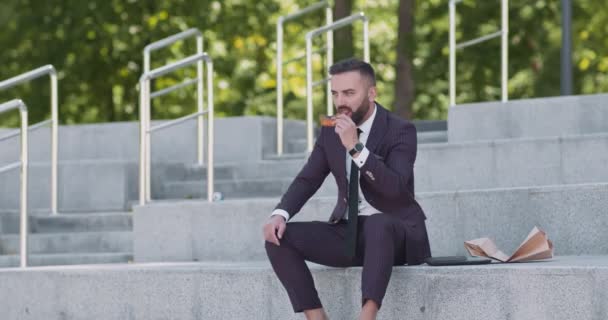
(376, 222)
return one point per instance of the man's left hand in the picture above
(347, 130)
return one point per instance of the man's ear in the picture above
(372, 93)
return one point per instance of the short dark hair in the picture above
(352, 64)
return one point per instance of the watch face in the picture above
(359, 146)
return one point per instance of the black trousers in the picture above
(381, 245)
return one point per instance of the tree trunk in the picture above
(404, 82)
(343, 37)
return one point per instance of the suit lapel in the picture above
(378, 128)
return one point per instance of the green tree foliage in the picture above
(97, 48)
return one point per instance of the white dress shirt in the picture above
(365, 209)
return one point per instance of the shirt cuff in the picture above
(281, 213)
(360, 160)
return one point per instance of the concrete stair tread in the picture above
(566, 263)
(62, 259)
(574, 217)
(88, 222)
(287, 156)
(70, 242)
(534, 188)
(230, 181)
(75, 222)
(536, 290)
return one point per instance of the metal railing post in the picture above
(309, 79)
(142, 141)
(330, 58)
(452, 40)
(504, 50)
(26, 77)
(210, 128)
(23, 229)
(54, 143)
(199, 101)
(279, 86)
(309, 106)
(148, 111)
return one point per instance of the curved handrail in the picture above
(328, 48)
(504, 49)
(31, 75)
(146, 130)
(20, 105)
(309, 80)
(192, 32)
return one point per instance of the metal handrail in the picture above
(146, 130)
(329, 48)
(31, 75)
(11, 105)
(504, 49)
(309, 80)
(193, 32)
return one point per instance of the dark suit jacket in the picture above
(386, 178)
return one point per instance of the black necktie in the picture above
(353, 208)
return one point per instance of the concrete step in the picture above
(108, 185)
(287, 156)
(541, 117)
(512, 163)
(72, 222)
(234, 189)
(575, 218)
(87, 185)
(430, 125)
(432, 137)
(296, 146)
(564, 288)
(76, 242)
(299, 145)
(470, 165)
(174, 144)
(191, 171)
(60, 259)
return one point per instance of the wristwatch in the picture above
(356, 149)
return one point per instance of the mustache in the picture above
(344, 108)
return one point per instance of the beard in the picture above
(357, 116)
(361, 112)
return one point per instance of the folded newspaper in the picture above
(536, 247)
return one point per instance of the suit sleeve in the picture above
(390, 177)
(308, 181)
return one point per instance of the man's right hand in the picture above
(274, 229)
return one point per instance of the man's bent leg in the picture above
(318, 242)
(382, 238)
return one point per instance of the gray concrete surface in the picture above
(564, 288)
(59, 259)
(439, 167)
(70, 242)
(541, 117)
(93, 185)
(120, 141)
(72, 222)
(84, 185)
(575, 218)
